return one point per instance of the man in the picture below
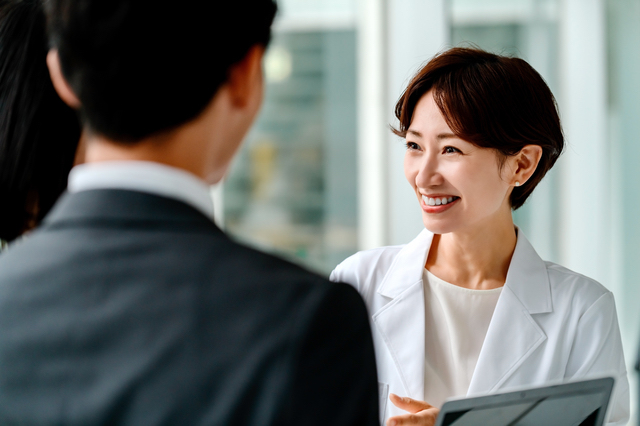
(129, 306)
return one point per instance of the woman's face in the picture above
(459, 185)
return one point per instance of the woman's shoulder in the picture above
(575, 286)
(366, 267)
(556, 281)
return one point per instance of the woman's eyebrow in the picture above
(440, 136)
(446, 136)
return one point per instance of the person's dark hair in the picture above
(38, 133)
(490, 101)
(140, 67)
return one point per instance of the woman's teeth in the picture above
(437, 201)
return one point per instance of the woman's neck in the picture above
(478, 258)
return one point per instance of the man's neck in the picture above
(203, 146)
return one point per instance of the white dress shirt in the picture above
(144, 176)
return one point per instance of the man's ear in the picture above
(59, 82)
(245, 77)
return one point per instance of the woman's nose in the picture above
(429, 173)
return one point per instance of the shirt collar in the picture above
(143, 176)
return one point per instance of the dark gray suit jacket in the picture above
(130, 308)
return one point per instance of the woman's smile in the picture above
(438, 203)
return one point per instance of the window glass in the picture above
(292, 188)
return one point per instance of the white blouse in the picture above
(457, 320)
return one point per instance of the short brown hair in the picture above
(490, 101)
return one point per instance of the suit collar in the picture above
(143, 176)
(117, 206)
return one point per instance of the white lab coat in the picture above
(550, 325)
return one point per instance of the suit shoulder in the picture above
(253, 267)
(267, 264)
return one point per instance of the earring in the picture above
(517, 183)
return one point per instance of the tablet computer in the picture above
(582, 403)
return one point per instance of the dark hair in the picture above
(490, 101)
(141, 67)
(38, 132)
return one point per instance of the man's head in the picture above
(144, 67)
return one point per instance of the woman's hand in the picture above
(421, 413)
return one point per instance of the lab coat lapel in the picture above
(401, 321)
(513, 334)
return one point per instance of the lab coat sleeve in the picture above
(365, 270)
(348, 272)
(597, 351)
(335, 275)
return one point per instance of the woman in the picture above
(468, 307)
(38, 133)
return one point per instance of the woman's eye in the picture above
(412, 146)
(451, 150)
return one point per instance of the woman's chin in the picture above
(438, 227)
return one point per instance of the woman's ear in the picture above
(525, 162)
(59, 82)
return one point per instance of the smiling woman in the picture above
(468, 307)
(441, 166)
(508, 108)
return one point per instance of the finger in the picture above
(404, 420)
(408, 404)
(423, 418)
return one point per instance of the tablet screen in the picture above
(576, 404)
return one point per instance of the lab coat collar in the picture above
(402, 320)
(408, 266)
(513, 334)
(527, 275)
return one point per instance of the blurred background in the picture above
(320, 175)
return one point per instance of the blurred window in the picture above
(292, 188)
